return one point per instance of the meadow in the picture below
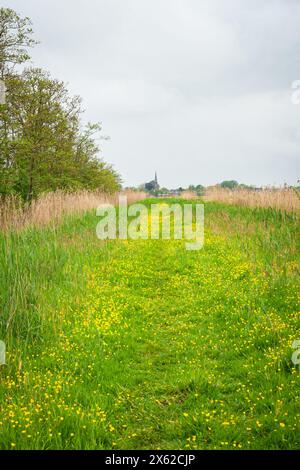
(142, 344)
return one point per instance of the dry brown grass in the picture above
(188, 195)
(284, 199)
(51, 207)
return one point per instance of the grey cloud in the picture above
(197, 90)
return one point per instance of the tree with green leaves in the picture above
(231, 184)
(15, 40)
(198, 189)
(42, 144)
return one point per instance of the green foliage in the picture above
(231, 184)
(142, 344)
(199, 189)
(42, 144)
(152, 187)
(15, 40)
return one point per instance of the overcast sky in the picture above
(198, 90)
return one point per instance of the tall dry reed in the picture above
(284, 199)
(188, 195)
(51, 207)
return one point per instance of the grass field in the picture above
(143, 344)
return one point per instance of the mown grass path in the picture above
(158, 347)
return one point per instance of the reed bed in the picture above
(189, 195)
(51, 207)
(283, 199)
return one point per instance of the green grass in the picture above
(145, 345)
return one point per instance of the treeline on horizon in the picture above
(200, 190)
(43, 144)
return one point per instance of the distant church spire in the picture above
(155, 179)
